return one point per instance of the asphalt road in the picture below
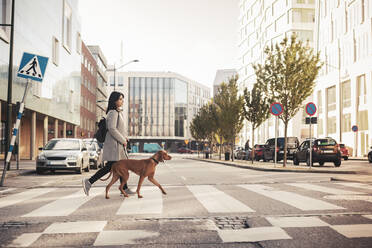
(207, 205)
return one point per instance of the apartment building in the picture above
(344, 86)
(267, 22)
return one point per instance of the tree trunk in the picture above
(285, 144)
(232, 150)
(252, 145)
(220, 149)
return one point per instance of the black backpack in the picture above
(100, 135)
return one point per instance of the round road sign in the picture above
(310, 108)
(276, 108)
(354, 128)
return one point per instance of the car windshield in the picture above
(63, 145)
(342, 145)
(325, 142)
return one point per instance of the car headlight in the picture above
(71, 157)
(41, 157)
(92, 154)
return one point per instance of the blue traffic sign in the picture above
(354, 128)
(310, 108)
(276, 108)
(32, 66)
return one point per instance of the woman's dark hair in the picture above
(113, 98)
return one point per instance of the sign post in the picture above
(276, 109)
(32, 67)
(310, 110)
(355, 129)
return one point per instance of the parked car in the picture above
(63, 154)
(244, 154)
(151, 147)
(370, 155)
(237, 150)
(95, 154)
(184, 150)
(323, 150)
(344, 151)
(269, 148)
(258, 151)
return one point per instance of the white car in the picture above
(370, 155)
(95, 154)
(63, 154)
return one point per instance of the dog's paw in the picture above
(164, 193)
(107, 197)
(140, 196)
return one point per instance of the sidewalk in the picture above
(25, 167)
(349, 174)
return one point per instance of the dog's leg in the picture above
(115, 177)
(140, 181)
(124, 177)
(152, 179)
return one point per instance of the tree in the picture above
(256, 108)
(203, 126)
(288, 74)
(229, 111)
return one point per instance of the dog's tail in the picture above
(108, 175)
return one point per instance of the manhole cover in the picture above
(12, 224)
(231, 222)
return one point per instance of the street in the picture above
(207, 205)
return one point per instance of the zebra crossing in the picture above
(213, 200)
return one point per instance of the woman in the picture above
(114, 147)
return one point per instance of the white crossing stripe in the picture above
(354, 231)
(151, 203)
(253, 234)
(122, 237)
(25, 240)
(357, 185)
(323, 189)
(65, 205)
(23, 196)
(76, 227)
(7, 190)
(368, 216)
(295, 200)
(216, 201)
(296, 221)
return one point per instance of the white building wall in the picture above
(344, 39)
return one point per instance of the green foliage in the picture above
(288, 75)
(229, 110)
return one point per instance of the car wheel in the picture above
(308, 161)
(264, 159)
(295, 160)
(337, 163)
(39, 171)
(346, 158)
(86, 169)
(257, 158)
(370, 157)
(95, 165)
(321, 163)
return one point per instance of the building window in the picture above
(78, 43)
(4, 19)
(112, 81)
(346, 94)
(55, 52)
(363, 120)
(320, 105)
(320, 127)
(120, 81)
(346, 123)
(362, 90)
(331, 125)
(67, 16)
(331, 98)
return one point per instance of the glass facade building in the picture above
(159, 106)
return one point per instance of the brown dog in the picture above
(143, 168)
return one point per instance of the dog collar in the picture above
(156, 161)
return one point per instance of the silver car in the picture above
(63, 154)
(95, 154)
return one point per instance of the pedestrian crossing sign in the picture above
(32, 66)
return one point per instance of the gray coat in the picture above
(113, 149)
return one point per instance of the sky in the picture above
(194, 38)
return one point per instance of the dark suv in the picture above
(324, 150)
(269, 149)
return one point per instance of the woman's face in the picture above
(119, 102)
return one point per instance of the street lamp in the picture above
(114, 70)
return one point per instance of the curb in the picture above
(15, 173)
(347, 180)
(275, 170)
